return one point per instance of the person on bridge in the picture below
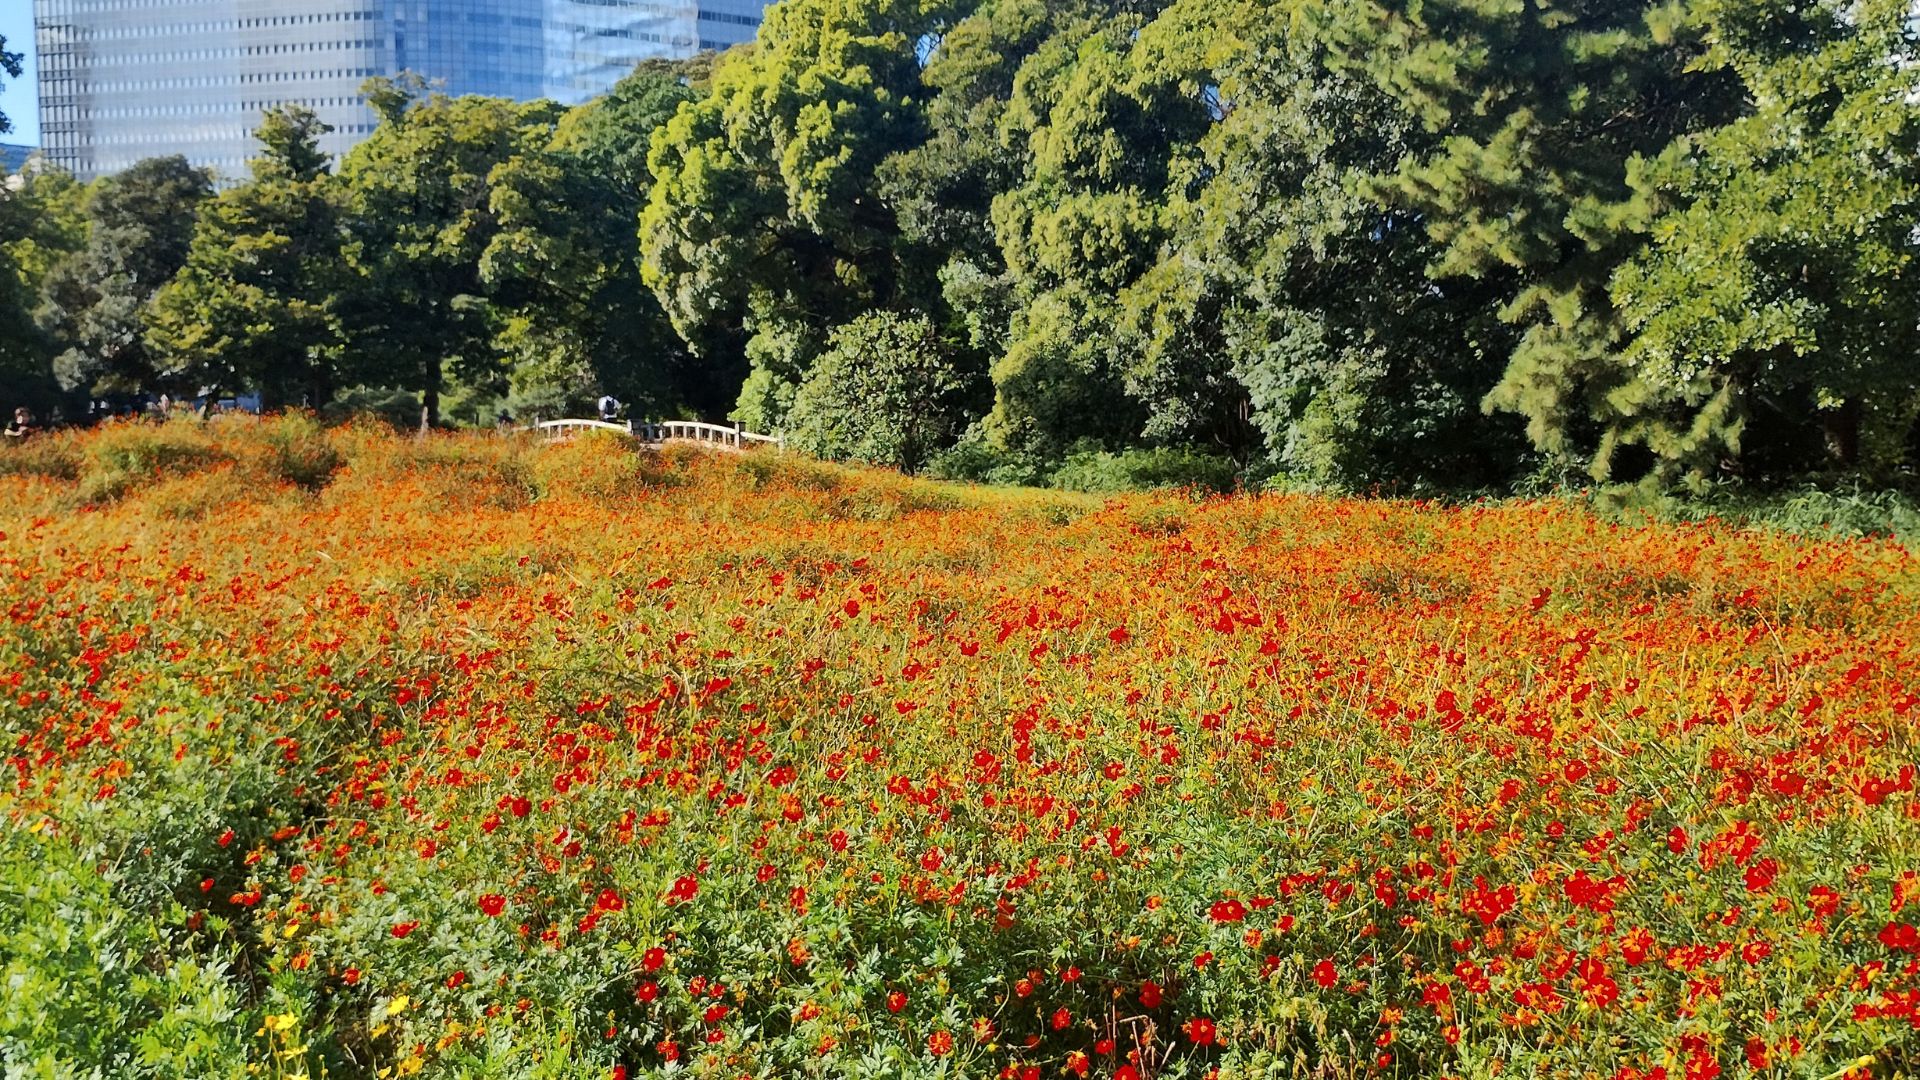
(609, 406)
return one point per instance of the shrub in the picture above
(52, 456)
(294, 449)
(598, 466)
(123, 456)
(887, 391)
(1143, 470)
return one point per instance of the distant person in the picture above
(166, 406)
(504, 421)
(22, 425)
(609, 407)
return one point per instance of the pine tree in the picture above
(255, 304)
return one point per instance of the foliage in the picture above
(41, 222)
(420, 216)
(886, 391)
(565, 262)
(1143, 470)
(764, 766)
(95, 301)
(9, 65)
(765, 209)
(1443, 248)
(1781, 254)
(255, 304)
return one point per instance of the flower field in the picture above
(331, 753)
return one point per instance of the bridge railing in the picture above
(696, 431)
(555, 430)
(657, 431)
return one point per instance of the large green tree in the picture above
(765, 209)
(1288, 290)
(95, 302)
(254, 305)
(1105, 148)
(420, 213)
(1778, 282)
(565, 265)
(1535, 111)
(42, 220)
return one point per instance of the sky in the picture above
(19, 100)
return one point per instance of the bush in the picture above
(886, 392)
(124, 456)
(597, 466)
(55, 457)
(294, 449)
(1104, 472)
(974, 460)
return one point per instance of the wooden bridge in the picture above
(718, 436)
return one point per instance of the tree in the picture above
(95, 302)
(565, 264)
(1531, 114)
(42, 220)
(765, 210)
(255, 303)
(10, 64)
(885, 391)
(420, 214)
(1285, 287)
(1778, 279)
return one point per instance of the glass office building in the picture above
(122, 80)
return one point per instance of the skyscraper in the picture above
(122, 80)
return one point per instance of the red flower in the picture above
(1150, 995)
(492, 904)
(609, 901)
(896, 1001)
(402, 929)
(1901, 936)
(685, 888)
(1061, 1018)
(1325, 974)
(1200, 1030)
(940, 1044)
(653, 958)
(1227, 911)
(646, 991)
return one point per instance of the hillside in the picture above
(353, 755)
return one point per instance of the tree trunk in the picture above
(320, 388)
(1842, 427)
(430, 397)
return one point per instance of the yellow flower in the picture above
(398, 1005)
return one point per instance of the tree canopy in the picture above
(1357, 244)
